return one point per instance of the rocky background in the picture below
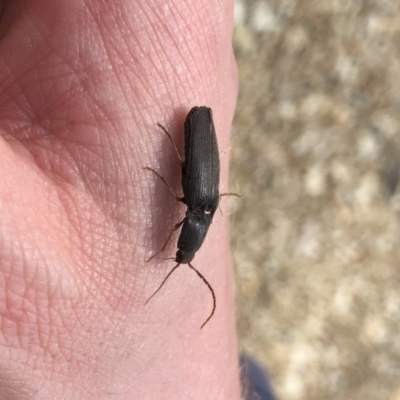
(316, 158)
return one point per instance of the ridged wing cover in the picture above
(201, 170)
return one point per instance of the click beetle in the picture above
(200, 185)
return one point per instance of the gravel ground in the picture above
(316, 157)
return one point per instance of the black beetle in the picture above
(200, 181)
(200, 185)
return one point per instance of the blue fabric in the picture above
(255, 380)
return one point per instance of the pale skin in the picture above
(83, 85)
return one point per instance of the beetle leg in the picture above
(226, 194)
(174, 229)
(230, 194)
(179, 198)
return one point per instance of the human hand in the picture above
(83, 85)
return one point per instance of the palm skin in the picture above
(83, 85)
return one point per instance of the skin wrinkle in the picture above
(183, 82)
(6, 85)
(210, 52)
(29, 111)
(91, 153)
(103, 111)
(188, 26)
(120, 84)
(65, 189)
(89, 276)
(104, 284)
(206, 62)
(102, 237)
(112, 62)
(218, 31)
(24, 110)
(23, 262)
(167, 66)
(25, 302)
(14, 330)
(173, 47)
(71, 356)
(150, 23)
(43, 326)
(33, 30)
(117, 75)
(66, 62)
(64, 162)
(89, 273)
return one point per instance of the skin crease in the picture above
(83, 84)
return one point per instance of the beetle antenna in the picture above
(162, 284)
(210, 289)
